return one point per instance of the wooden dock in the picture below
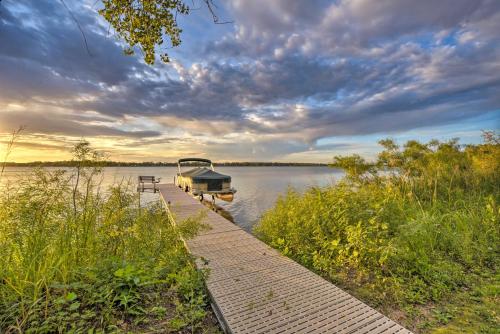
(255, 289)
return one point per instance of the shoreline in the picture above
(163, 164)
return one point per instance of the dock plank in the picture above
(255, 289)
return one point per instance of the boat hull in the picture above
(228, 197)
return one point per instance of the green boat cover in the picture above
(203, 174)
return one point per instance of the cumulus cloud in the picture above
(289, 74)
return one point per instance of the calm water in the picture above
(257, 187)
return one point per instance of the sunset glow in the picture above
(284, 82)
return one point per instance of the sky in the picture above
(285, 80)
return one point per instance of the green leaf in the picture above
(74, 306)
(71, 296)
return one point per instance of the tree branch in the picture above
(210, 5)
(78, 25)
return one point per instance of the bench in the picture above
(144, 179)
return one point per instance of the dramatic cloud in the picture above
(284, 77)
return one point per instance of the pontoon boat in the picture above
(204, 180)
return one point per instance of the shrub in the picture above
(77, 258)
(422, 224)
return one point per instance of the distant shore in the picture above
(162, 164)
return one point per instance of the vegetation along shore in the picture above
(420, 243)
(415, 234)
(72, 163)
(79, 259)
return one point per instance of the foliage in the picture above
(107, 163)
(355, 166)
(144, 23)
(8, 149)
(77, 258)
(420, 233)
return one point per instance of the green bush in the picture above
(419, 225)
(77, 258)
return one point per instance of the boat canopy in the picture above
(201, 174)
(194, 159)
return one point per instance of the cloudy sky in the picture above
(287, 81)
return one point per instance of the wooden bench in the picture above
(145, 179)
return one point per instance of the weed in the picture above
(77, 258)
(410, 231)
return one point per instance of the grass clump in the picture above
(415, 234)
(79, 260)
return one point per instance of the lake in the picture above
(257, 187)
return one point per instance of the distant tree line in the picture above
(68, 163)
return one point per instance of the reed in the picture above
(415, 234)
(78, 258)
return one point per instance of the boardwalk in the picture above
(255, 289)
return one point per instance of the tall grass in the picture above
(418, 227)
(76, 258)
(8, 149)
